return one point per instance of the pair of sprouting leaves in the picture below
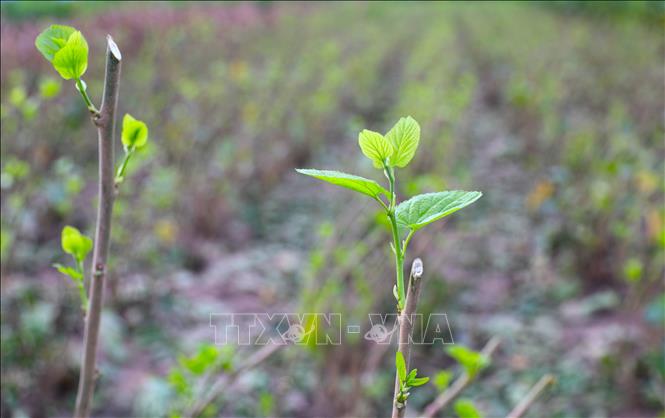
(78, 246)
(65, 48)
(134, 138)
(407, 380)
(396, 149)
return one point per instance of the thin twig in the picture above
(105, 122)
(226, 380)
(530, 397)
(459, 384)
(406, 319)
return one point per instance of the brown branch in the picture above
(406, 319)
(530, 398)
(226, 380)
(459, 384)
(105, 122)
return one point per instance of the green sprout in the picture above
(78, 246)
(66, 48)
(407, 380)
(387, 152)
(134, 138)
(396, 149)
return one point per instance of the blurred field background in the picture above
(553, 110)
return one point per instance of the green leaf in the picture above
(134, 133)
(632, 270)
(357, 183)
(400, 364)
(29, 108)
(424, 209)
(472, 361)
(17, 96)
(404, 137)
(71, 60)
(442, 379)
(418, 381)
(75, 243)
(375, 147)
(53, 39)
(49, 88)
(199, 363)
(466, 409)
(69, 271)
(178, 381)
(412, 375)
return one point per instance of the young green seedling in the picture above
(78, 246)
(387, 152)
(66, 48)
(406, 380)
(134, 138)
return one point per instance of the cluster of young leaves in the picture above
(407, 380)
(183, 378)
(67, 50)
(78, 246)
(396, 149)
(134, 138)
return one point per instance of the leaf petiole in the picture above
(382, 203)
(82, 88)
(407, 240)
(81, 286)
(120, 175)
